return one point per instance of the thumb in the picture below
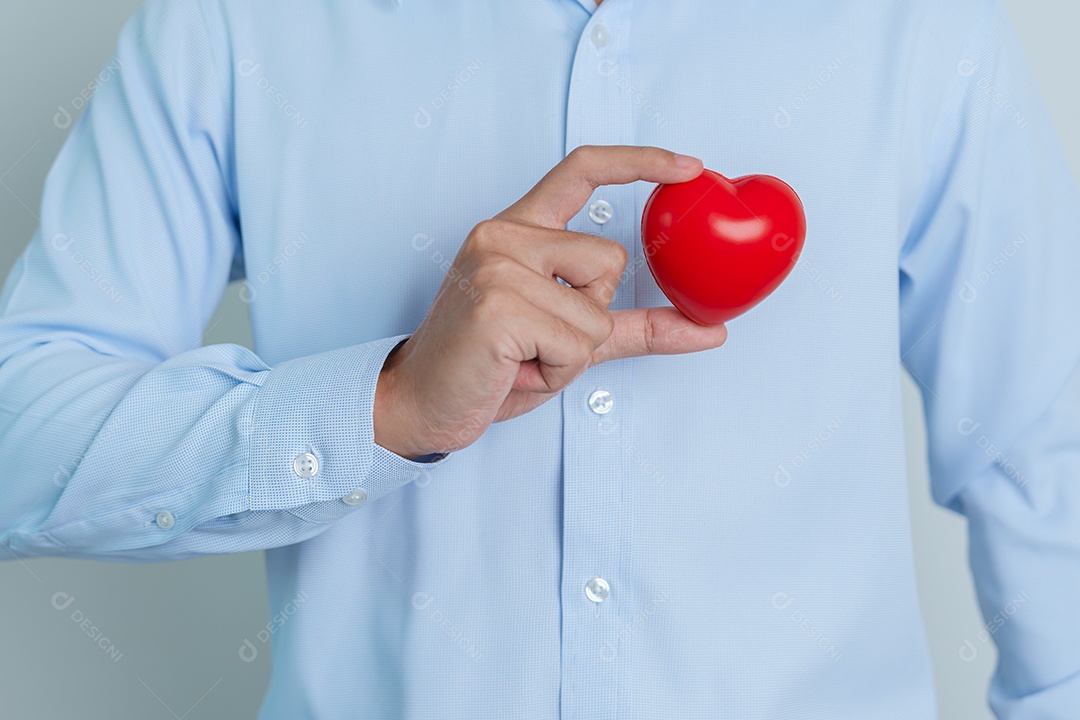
(657, 331)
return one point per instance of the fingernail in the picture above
(685, 160)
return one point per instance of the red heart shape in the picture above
(718, 247)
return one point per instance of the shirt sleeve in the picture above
(989, 302)
(126, 438)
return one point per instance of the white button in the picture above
(164, 519)
(600, 402)
(600, 212)
(597, 590)
(356, 497)
(305, 465)
(599, 36)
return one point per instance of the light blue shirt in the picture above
(730, 539)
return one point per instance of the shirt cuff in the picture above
(312, 436)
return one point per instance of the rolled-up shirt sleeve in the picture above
(129, 439)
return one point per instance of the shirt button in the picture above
(600, 35)
(164, 519)
(597, 590)
(600, 402)
(305, 465)
(600, 212)
(356, 497)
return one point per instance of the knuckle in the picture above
(649, 333)
(652, 153)
(486, 233)
(492, 269)
(494, 303)
(582, 154)
(585, 159)
(643, 155)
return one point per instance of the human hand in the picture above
(503, 336)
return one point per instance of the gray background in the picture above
(177, 627)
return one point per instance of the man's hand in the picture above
(503, 336)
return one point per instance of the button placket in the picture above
(597, 471)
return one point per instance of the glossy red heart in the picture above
(718, 247)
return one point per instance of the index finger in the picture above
(568, 186)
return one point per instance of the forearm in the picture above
(210, 438)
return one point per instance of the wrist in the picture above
(392, 427)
